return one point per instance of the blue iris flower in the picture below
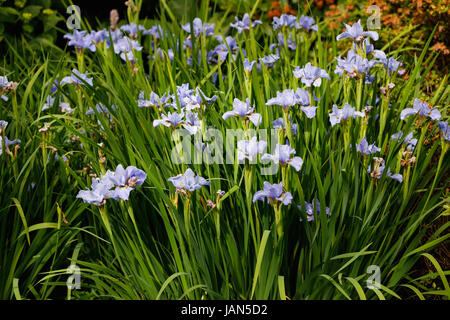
(274, 194)
(80, 40)
(307, 23)
(356, 33)
(421, 108)
(283, 157)
(285, 20)
(7, 143)
(248, 66)
(244, 24)
(249, 149)
(199, 27)
(188, 181)
(312, 210)
(338, 115)
(279, 123)
(77, 79)
(364, 147)
(310, 75)
(443, 126)
(244, 111)
(175, 120)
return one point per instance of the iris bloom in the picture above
(286, 99)
(132, 29)
(7, 143)
(156, 31)
(285, 20)
(337, 115)
(125, 46)
(125, 180)
(77, 79)
(175, 120)
(244, 24)
(274, 194)
(356, 33)
(5, 85)
(80, 40)
(390, 64)
(155, 100)
(354, 65)
(98, 194)
(408, 139)
(303, 99)
(290, 43)
(307, 23)
(423, 109)
(188, 181)
(283, 157)
(249, 149)
(310, 75)
(279, 123)
(227, 46)
(443, 126)
(244, 111)
(268, 60)
(3, 125)
(311, 211)
(365, 148)
(199, 27)
(248, 66)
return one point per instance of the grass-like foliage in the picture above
(93, 181)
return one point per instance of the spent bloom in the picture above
(244, 24)
(337, 115)
(364, 147)
(421, 108)
(283, 157)
(244, 111)
(310, 75)
(188, 181)
(378, 170)
(312, 210)
(356, 33)
(274, 194)
(249, 149)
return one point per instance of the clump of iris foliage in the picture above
(88, 177)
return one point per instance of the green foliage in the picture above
(146, 248)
